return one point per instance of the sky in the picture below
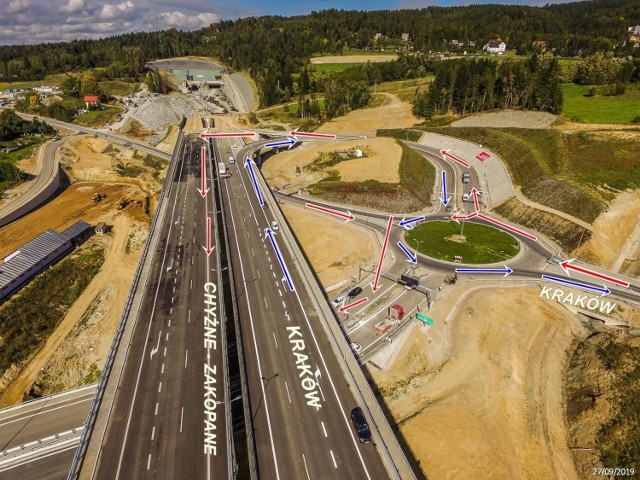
(37, 21)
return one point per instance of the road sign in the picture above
(424, 319)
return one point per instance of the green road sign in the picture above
(423, 318)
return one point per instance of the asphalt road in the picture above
(299, 398)
(42, 429)
(168, 416)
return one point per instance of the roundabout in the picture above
(468, 243)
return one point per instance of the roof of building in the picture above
(33, 252)
(90, 98)
(494, 43)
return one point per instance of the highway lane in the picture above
(300, 400)
(41, 418)
(161, 410)
(49, 465)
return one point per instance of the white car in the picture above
(274, 226)
(356, 347)
(336, 302)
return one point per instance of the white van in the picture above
(274, 226)
(232, 159)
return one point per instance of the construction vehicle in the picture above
(98, 197)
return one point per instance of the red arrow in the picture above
(464, 217)
(354, 304)
(309, 134)
(445, 153)
(208, 249)
(204, 135)
(567, 265)
(475, 198)
(203, 168)
(347, 215)
(374, 287)
(508, 227)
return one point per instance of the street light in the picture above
(237, 397)
(418, 242)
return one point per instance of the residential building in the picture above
(495, 46)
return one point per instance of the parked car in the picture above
(466, 177)
(361, 425)
(355, 292)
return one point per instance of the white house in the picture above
(494, 46)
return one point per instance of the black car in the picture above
(361, 425)
(355, 292)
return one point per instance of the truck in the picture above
(222, 169)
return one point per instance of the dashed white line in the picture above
(258, 273)
(265, 302)
(169, 324)
(159, 387)
(174, 288)
(165, 351)
(156, 409)
(274, 339)
(274, 274)
(283, 304)
(333, 458)
(175, 280)
(305, 466)
(189, 317)
(287, 387)
(181, 416)
(171, 299)
(148, 461)
(190, 284)
(186, 354)
(171, 311)
(162, 370)
(280, 292)
(153, 433)
(324, 429)
(167, 337)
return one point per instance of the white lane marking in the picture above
(175, 280)
(274, 274)
(186, 354)
(174, 288)
(169, 324)
(189, 317)
(165, 351)
(288, 394)
(166, 339)
(159, 387)
(156, 408)
(162, 371)
(305, 466)
(171, 311)
(192, 257)
(284, 305)
(181, 417)
(258, 273)
(274, 339)
(265, 302)
(153, 433)
(148, 461)
(172, 298)
(333, 458)
(190, 284)
(253, 252)
(279, 291)
(324, 429)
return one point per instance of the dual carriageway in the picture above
(300, 379)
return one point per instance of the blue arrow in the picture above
(404, 223)
(408, 253)
(444, 188)
(290, 142)
(604, 290)
(280, 259)
(249, 164)
(506, 270)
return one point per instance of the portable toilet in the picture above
(395, 311)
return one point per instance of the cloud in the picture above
(36, 21)
(73, 6)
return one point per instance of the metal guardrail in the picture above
(78, 458)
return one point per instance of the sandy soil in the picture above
(394, 114)
(92, 159)
(317, 232)
(613, 230)
(66, 356)
(381, 164)
(354, 58)
(507, 119)
(495, 409)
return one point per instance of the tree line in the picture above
(471, 86)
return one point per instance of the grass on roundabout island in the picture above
(475, 243)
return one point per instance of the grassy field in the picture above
(481, 244)
(404, 89)
(29, 317)
(600, 109)
(97, 118)
(327, 68)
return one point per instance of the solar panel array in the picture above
(37, 254)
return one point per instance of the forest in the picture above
(275, 50)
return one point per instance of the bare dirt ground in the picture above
(616, 233)
(381, 164)
(318, 233)
(354, 58)
(66, 357)
(394, 114)
(495, 408)
(508, 119)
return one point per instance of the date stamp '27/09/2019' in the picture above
(613, 472)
